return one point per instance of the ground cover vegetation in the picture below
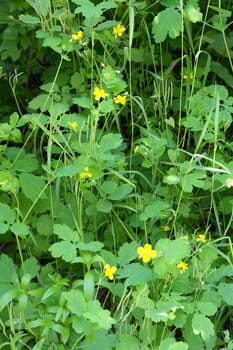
(116, 174)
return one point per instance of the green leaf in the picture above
(65, 250)
(127, 342)
(84, 102)
(106, 106)
(42, 102)
(167, 22)
(7, 268)
(88, 285)
(8, 183)
(172, 344)
(7, 215)
(26, 163)
(31, 185)
(192, 11)
(19, 229)
(202, 325)
(7, 298)
(194, 179)
(110, 141)
(226, 292)
(127, 253)
(173, 251)
(64, 232)
(207, 307)
(29, 19)
(98, 316)
(40, 6)
(164, 311)
(99, 340)
(136, 274)
(157, 209)
(104, 206)
(75, 302)
(120, 192)
(94, 246)
(30, 267)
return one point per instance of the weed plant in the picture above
(116, 175)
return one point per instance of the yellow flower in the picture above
(185, 76)
(109, 271)
(78, 36)
(146, 253)
(136, 149)
(99, 93)
(120, 99)
(73, 125)
(191, 76)
(182, 266)
(166, 228)
(118, 30)
(201, 238)
(85, 174)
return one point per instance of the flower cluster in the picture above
(186, 76)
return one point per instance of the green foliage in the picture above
(116, 175)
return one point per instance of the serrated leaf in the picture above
(157, 209)
(64, 250)
(110, 142)
(42, 102)
(127, 253)
(192, 11)
(7, 215)
(104, 206)
(120, 192)
(176, 250)
(64, 232)
(98, 316)
(84, 102)
(30, 267)
(202, 325)
(20, 229)
(226, 292)
(207, 307)
(167, 23)
(31, 185)
(91, 246)
(106, 106)
(7, 268)
(29, 19)
(136, 274)
(75, 302)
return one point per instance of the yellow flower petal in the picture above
(109, 271)
(146, 253)
(78, 36)
(182, 266)
(120, 99)
(201, 238)
(99, 93)
(119, 30)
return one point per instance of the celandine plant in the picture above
(116, 175)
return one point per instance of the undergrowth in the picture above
(116, 175)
